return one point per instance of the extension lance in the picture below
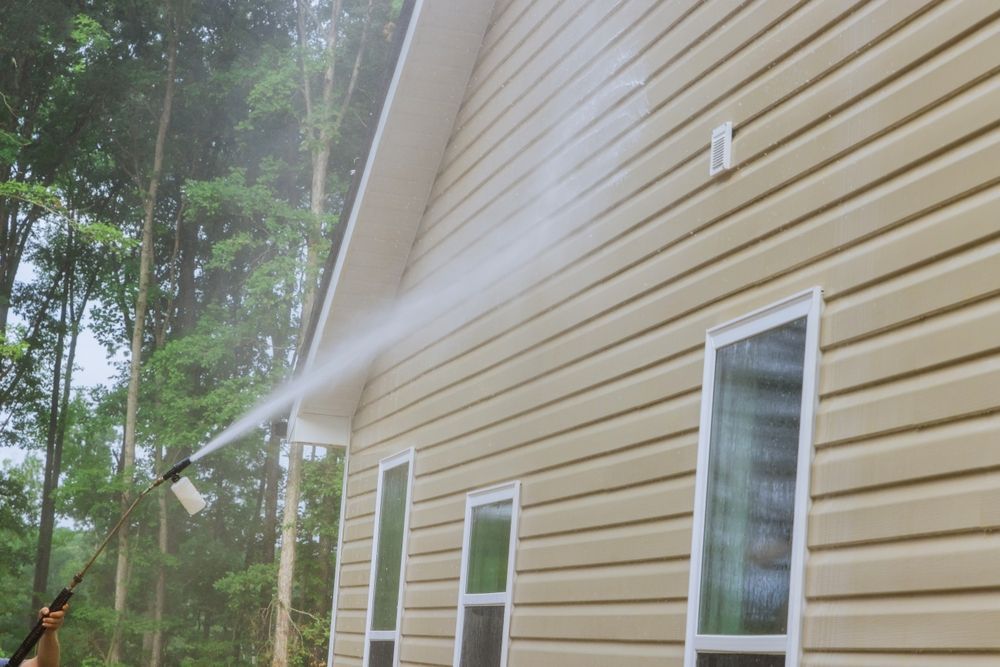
(65, 594)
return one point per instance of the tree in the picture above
(79, 270)
(139, 321)
(238, 235)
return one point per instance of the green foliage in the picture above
(14, 348)
(80, 92)
(10, 147)
(18, 494)
(89, 34)
(34, 194)
(107, 236)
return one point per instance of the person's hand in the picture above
(52, 621)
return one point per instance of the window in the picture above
(385, 587)
(484, 599)
(751, 502)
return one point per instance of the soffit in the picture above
(430, 81)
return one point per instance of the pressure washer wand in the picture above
(65, 594)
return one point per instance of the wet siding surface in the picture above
(866, 153)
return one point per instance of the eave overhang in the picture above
(435, 63)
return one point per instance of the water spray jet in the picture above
(185, 492)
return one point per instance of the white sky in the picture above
(92, 364)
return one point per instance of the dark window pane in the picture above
(489, 546)
(753, 453)
(380, 654)
(482, 636)
(390, 547)
(739, 660)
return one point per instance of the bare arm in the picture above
(48, 645)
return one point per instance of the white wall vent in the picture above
(722, 149)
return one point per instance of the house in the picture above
(687, 321)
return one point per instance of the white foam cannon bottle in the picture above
(188, 495)
(185, 492)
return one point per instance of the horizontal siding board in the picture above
(432, 595)
(669, 538)
(866, 142)
(436, 539)
(356, 552)
(499, 62)
(661, 580)
(938, 564)
(433, 567)
(592, 370)
(955, 18)
(667, 499)
(426, 651)
(743, 224)
(521, 164)
(637, 621)
(968, 503)
(965, 622)
(674, 80)
(948, 449)
(351, 621)
(655, 461)
(550, 652)
(936, 341)
(606, 436)
(959, 279)
(430, 622)
(350, 648)
(925, 399)
(355, 574)
(557, 55)
(353, 598)
(883, 659)
(752, 264)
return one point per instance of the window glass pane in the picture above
(380, 653)
(753, 452)
(739, 660)
(482, 636)
(390, 547)
(489, 546)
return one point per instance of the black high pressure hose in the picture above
(65, 594)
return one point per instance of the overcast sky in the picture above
(92, 364)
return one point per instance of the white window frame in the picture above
(385, 465)
(509, 491)
(806, 304)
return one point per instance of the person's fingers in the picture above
(53, 620)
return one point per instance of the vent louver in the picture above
(721, 157)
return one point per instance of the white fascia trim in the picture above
(404, 457)
(352, 221)
(807, 304)
(508, 491)
(340, 551)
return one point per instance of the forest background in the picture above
(172, 173)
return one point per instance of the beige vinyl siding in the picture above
(866, 144)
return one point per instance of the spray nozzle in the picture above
(174, 472)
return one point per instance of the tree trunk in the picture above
(286, 568)
(321, 128)
(135, 362)
(320, 123)
(51, 477)
(156, 647)
(272, 472)
(356, 70)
